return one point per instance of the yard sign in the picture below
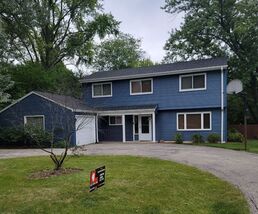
(97, 178)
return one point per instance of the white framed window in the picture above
(102, 90)
(194, 121)
(192, 82)
(35, 120)
(115, 120)
(141, 86)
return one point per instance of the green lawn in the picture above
(252, 145)
(133, 185)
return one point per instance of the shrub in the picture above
(235, 137)
(179, 138)
(213, 138)
(197, 138)
(20, 137)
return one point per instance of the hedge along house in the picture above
(61, 115)
(154, 103)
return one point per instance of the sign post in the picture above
(97, 178)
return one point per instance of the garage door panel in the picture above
(86, 130)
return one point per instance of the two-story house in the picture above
(154, 103)
(137, 104)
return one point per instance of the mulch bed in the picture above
(50, 173)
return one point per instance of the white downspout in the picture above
(222, 106)
(123, 127)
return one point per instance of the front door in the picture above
(145, 127)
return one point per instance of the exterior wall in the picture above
(165, 93)
(115, 133)
(107, 132)
(166, 125)
(55, 115)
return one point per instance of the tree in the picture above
(5, 84)
(123, 51)
(61, 131)
(51, 31)
(33, 77)
(219, 28)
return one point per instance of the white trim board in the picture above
(141, 93)
(164, 73)
(193, 89)
(185, 124)
(92, 90)
(41, 115)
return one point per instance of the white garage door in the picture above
(86, 130)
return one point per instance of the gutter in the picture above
(164, 73)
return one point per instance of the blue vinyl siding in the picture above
(55, 115)
(115, 133)
(165, 94)
(166, 125)
(107, 132)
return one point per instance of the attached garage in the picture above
(58, 114)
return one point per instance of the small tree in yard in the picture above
(61, 131)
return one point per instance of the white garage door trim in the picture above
(86, 129)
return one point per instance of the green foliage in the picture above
(33, 77)
(197, 138)
(178, 138)
(5, 84)
(235, 137)
(219, 28)
(49, 32)
(123, 51)
(213, 138)
(19, 137)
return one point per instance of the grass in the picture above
(252, 146)
(133, 185)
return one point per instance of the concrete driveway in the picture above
(239, 168)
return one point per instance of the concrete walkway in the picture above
(239, 168)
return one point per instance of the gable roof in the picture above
(71, 103)
(158, 70)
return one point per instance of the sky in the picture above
(144, 19)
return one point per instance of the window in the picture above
(102, 90)
(141, 86)
(192, 82)
(35, 120)
(194, 121)
(115, 120)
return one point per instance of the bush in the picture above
(20, 137)
(235, 137)
(197, 138)
(179, 138)
(213, 138)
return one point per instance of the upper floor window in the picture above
(102, 90)
(192, 82)
(194, 121)
(35, 121)
(144, 86)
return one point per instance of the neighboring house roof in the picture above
(158, 70)
(71, 103)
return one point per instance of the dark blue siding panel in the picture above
(165, 93)
(107, 132)
(129, 127)
(166, 125)
(55, 115)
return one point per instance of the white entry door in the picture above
(145, 127)
(86, 132)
